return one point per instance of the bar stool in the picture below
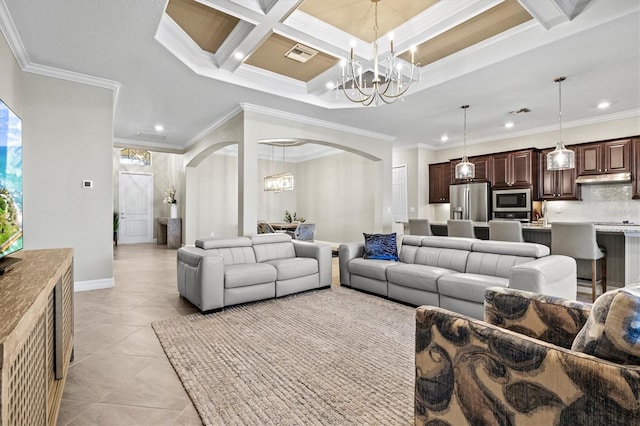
(505, 230)
(578, 240)
(420, 227)
(460, 228)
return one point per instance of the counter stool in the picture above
(505, 230)
(460, 228)
(578, 240)
(420, 227)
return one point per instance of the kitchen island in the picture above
(621, 241)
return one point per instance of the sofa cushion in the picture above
(468, 286)
(294, 267)
(242, 275)
(212, 243)
(410, 244)
(420, 277)
(447, 258)
(497, 265)
(372, 268)
(531, 250)
(272, 246)
(612, 331)
(457, 243)
(380, 246)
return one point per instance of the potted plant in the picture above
(116, 225)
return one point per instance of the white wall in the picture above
(67, 137)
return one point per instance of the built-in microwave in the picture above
(512, 200)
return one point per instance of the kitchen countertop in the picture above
(627, 229)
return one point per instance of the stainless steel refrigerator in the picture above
(470, 201)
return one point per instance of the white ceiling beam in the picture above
(550, 13)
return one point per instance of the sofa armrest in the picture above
(553, 275)
(320, 252)
(471, 372)
(201, 277)
(346, 252)
(548, 318)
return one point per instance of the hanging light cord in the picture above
(464, 107)
(560, 105)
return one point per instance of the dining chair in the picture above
(505, 230)
(265, 228)
(420, 227)
(460, 228)
(578, 240)
(305, 231)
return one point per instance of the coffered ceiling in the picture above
(187, 64)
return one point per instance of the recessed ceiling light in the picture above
(604, 105)
(444, 138)
(159, 127)
(239, 56)
(330, 85)
(508, 124)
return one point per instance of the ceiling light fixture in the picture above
(159, 127)
(239, 56)
(560, 158)
(386, 88)
(604, 105)
(508, 124)
(281, 181)
(465, 169)
(444, 138)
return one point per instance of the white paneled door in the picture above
(136, 208)
(399, 192)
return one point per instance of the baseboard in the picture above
(93, 284)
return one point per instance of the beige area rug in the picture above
(328, 357)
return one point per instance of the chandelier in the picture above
(560, 158)
(387, 88)
(281, 181)
(465, 169)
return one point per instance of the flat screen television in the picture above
(10, 181)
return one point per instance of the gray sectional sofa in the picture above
(453, 273)
(220, 272)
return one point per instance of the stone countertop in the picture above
(621, 228)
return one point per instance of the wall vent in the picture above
(150, 136)
(301, 53)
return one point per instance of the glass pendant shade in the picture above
(465, 169)
(279, 182)
(560, 158)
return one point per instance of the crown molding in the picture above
(213, 126)
(315, 122)
(148, 146)
(9, 31)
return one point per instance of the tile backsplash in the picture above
(600, 203)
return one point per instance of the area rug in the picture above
(327, 357)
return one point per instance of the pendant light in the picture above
(465, 169)
(560, 158)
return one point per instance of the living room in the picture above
(74, 125)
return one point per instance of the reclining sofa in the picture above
(453, 273)
(221, 272)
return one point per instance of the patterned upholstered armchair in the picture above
(518, 366)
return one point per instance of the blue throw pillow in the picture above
(380, 246)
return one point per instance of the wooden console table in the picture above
(169, 232)
(36, 335)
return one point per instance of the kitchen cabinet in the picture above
(635, 149)
(604, 157)
(483, 165)
(439, 181)
(557, 184)
(515, 169)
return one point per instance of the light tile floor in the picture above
(120, 374)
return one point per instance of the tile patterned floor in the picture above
(120, 375)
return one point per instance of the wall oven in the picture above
(512, 204)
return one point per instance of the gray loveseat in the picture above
(453, 273)
(220, 272)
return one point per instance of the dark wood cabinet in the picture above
(604, 157)
(439, 181)
(635, 151)
(557, 184)
(515, 169)
(484, 168)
